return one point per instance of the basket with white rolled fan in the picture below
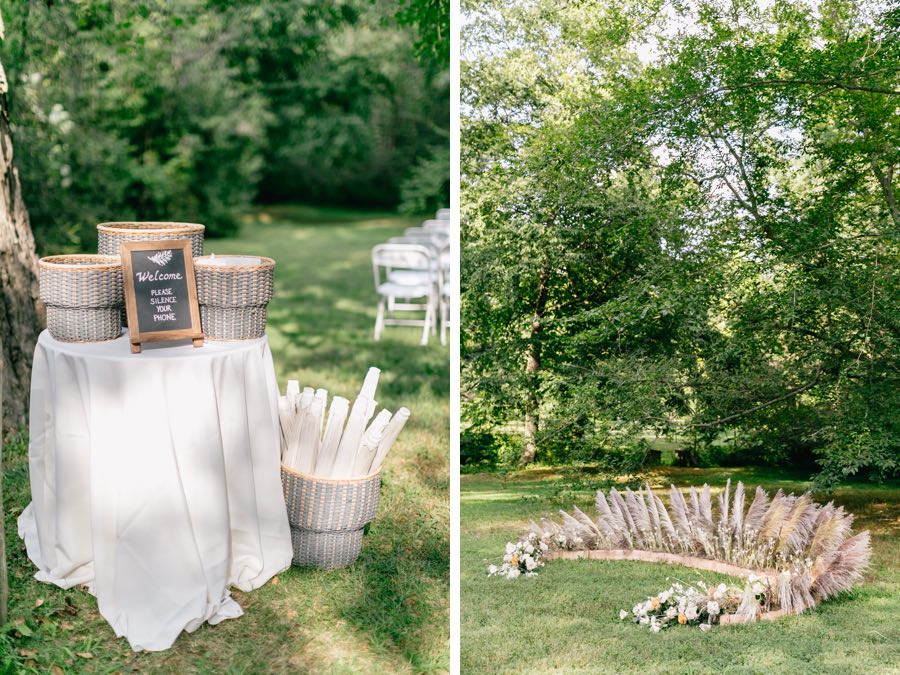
(331, 469)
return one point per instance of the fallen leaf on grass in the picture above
(274, 581)
(56, 670)
(84, 655)
(292, 614)
(38, 602)
(27, 653)
(22, 628)
(67, 625)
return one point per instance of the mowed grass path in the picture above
(387, 613)
(566, 619)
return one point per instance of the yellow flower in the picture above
(655, 602)
(514, 560)
(682, 619)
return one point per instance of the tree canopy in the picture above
(680, 218)
(192, 110)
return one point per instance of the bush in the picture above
(477, 451)
(139, 116)
(186, 111)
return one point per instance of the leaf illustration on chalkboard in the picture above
(162, 258)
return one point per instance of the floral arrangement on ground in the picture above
(791, 552)
(698, 604)
(522, 558)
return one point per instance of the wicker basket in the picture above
(233, 298)
(110, 235)
(327, 516)
(84, 295)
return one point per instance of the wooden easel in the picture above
(135, 334)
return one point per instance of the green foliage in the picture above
(427, 186)
(138, 116)
(699, 240)
(432, 18)
(482, 451)
(351, 119)
(190, 111)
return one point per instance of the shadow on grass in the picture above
(407, 553)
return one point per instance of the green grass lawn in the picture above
(566, 619)
(387, 613)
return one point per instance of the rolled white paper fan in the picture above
(343, 445)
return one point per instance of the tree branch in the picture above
(729, 418)
(776, 83)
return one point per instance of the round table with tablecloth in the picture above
(155, 479)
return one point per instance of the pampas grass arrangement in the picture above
(803, 550)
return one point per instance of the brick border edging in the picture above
(676, 559)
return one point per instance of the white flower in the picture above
(532, 535)
(644, 620)
(530, 564)
(712, 607)
(513, 573)
(529, 549)
(665, 595)
(655, 628)
(705, 627)
(720, 591)
(691, 612)
(544, 546)
(623, 614)
(510, 548)
(492, 569)
(671, 613)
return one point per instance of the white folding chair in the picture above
(439, 236)
(445, 301)
(406, 280)
(440, 245)
(437, 226)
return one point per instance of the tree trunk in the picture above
(21, 313)
(532, 368)
(4, 579)
(886, 181)
(532, 402)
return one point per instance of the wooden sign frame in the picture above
(136, 336)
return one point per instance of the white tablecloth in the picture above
(155, 480)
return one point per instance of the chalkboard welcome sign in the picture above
(160, 292)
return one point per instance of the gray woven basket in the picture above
(233, 298)
(84, 295)
(327, 516)
(111, 235)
